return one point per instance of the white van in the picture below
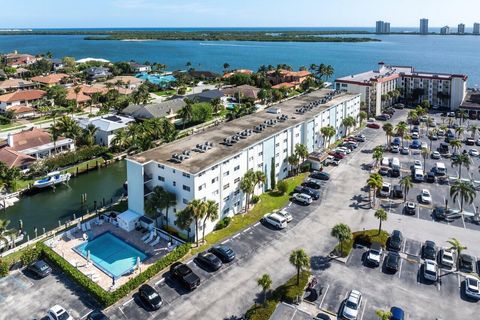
(275, 220)
(395, 164)
(418, 175)
(440, 169)
(385, 162)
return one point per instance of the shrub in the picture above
(282, 186)
(255, 199)
(74, 157)
(223, 223)
(29, 255)
(182, 90)
(4, 268)
(102, 296)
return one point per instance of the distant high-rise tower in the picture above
(382, 27)
(461, 28)
(424, 26)
(476, 28)
(386, 27)
(445, 30)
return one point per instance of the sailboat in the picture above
(51, 179)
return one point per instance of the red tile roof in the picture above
(25, 95)
(12, 158)
(21, 109)
(50, 79)
(287, 85)
(30, 138)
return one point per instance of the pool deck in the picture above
(64, 247)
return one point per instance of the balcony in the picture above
(147, 178)
(147, 191)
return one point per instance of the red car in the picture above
(373, 125)
(336, 155)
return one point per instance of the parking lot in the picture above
(22, 296)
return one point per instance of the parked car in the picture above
(472, 287)
(399, 106)
(58, 312)
(373, 125)
(396, 141)
(275, 220)
(397, 313)
(336, 155)
(392, 261)
(477, 142)
(308, 191)
(320, 175)
(410, 208)
(440, 213)
(310, 183)
(430, 178)
(395, 241)
(302, 198)
(404, 150)
(382, 117)
(415, 144)
(429, 250)
(417, 164)
(40, 269)
(209, 261)
(470, 142)
(467, 263)
(430, 270)
(415, 135)
(150, 297)
(425, 196)
(374, 255)
(185, 275)
(352, 305)
(223, 252)
(473, 152)
(384, 171)
(360, 137)
(435, 155)
(385, 190)
(395, 149)
(285, 214)
(97, 315)
(397, 191)
(446, 257)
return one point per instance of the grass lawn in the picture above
(83, 166)
(269, 201)
(366, 238)
(6, 127)
(166, 92)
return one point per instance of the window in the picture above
(226, 173)
(277, 144)
(285, 140)
(201, 186)
(161, 166)
(160, 178)
(236, 192)
(260, 165)
(185, 201)
(226, 186)
(186, 188)
(214, 179)
(214, 167)
(236, 168)
(277, 155)
(226, 162)
(186, 175)
(250, 159)
(201, 173)
(284, 169)
(260, 153)
(285, 150)
(174, 171)
(174, 184)
(237, 204)
(236, 180)
(215, 193)
(226, 198)
(226, 211)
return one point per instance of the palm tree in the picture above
(425, 152)
(412, 117)
(362, 116)
(198, 209)
(247, 186)
(258, 177)
(300, 260)
(328, 132)
(293, 161)
(465, 190)
(383, 314)
(121, 140)
(89, 134)
(388, 129)
(348, 122)
(216, 105)
(377, 155)
(374, 182)
(458, 247)
(186, 113)
(211, 213)
(301, 151)
(343, 233)
(459, 131)
(406, 183)
(381, 215)
(55, 132)
(265, 282)
(6, 234)
(401, 129)
(455, 144)
(77, 91)
(69, 127)
(462, 160)
(431, 134)
(168, 200)
(473, 130)
(153, 204)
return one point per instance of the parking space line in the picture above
(256, 224)
(127, 302)
(225, 241)
(160, 281)
(246, 230)
(400, 269)
(324, 295)
(364, 307)
(236, 236)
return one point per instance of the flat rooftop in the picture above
(200, 161)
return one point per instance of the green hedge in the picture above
(74, 157)
(109, 298)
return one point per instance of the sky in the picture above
(231, 13)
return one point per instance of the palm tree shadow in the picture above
(320, 262)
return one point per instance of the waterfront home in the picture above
(37, 143)
(203, 75)
(19, 98)
(126, 82)
(57, 64)
(16, 59)
(205, 96)
(238, 71)
(286, 85)
(167, 109)
(440, 89)
(97, 73)
(13, 159)
(85, 93)
(9, 85)
(243, 91)
(287, 76)
(138, 67)
(107, 127)
(51, 79)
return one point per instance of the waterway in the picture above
(44, 209)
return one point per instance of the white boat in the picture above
(51, 179)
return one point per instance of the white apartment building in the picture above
(461, 28)
(445, 30)
(476, 28)
(442, 90)
(209, 165)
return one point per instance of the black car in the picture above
(392, 261)
(430, 177)
(311, 184)
(150, 297)
(185, 275)
(467, 263)
(429, 251)
(410, 208)
(225, 253)
(308, 191)
(40, 268)
(397, 191)
(395, 241)
(209, 260)
(320, 175)
(395, 173)
(97, 315)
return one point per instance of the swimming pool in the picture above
(156, 78)
(111, 254)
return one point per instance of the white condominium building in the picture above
(209, 165)
(440, 89)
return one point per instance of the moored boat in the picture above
(51, 179)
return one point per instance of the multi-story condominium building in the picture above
(476, 28)
(442, 90)
(423, 26)
(461, 28)
(382, 27)
(210, 165)
(445, 30)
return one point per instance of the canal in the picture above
(44, 209)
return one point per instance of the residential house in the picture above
(203, 75)
(16, 59)
(21, 102)
(137, 67)
(167, 109)
(51, 79)
(238, 71)
(97, 73)
(129, 82)
(205, 96)
(287, 76)
(57, 64)
(36, 143)
(245, 91)
(85, 93)
(107, 126)
(13, 159)
(16, 84)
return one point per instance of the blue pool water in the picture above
(156, 79)
(111, 254)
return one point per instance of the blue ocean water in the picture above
(450, 54)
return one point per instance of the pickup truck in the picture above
(184, 274)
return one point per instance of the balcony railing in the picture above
(147, 178)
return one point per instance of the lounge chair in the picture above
(88, 226)
(155, 242)
(150, 238)
(84, 228)
(145, 237)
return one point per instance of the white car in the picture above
(404, 150)
(424, 145)
(275, 220)
(374, 255)
(417, 164)
(346, 150)
(446, 258)
(57, 312)
(440, 132)
(395, 149)
(472, 287)
(473, 152)
(435, 155)
(415, 135)
(352, 305)
(302, 198)
(430, 270)
(386, 189)
(285, 214)
(425, 196)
